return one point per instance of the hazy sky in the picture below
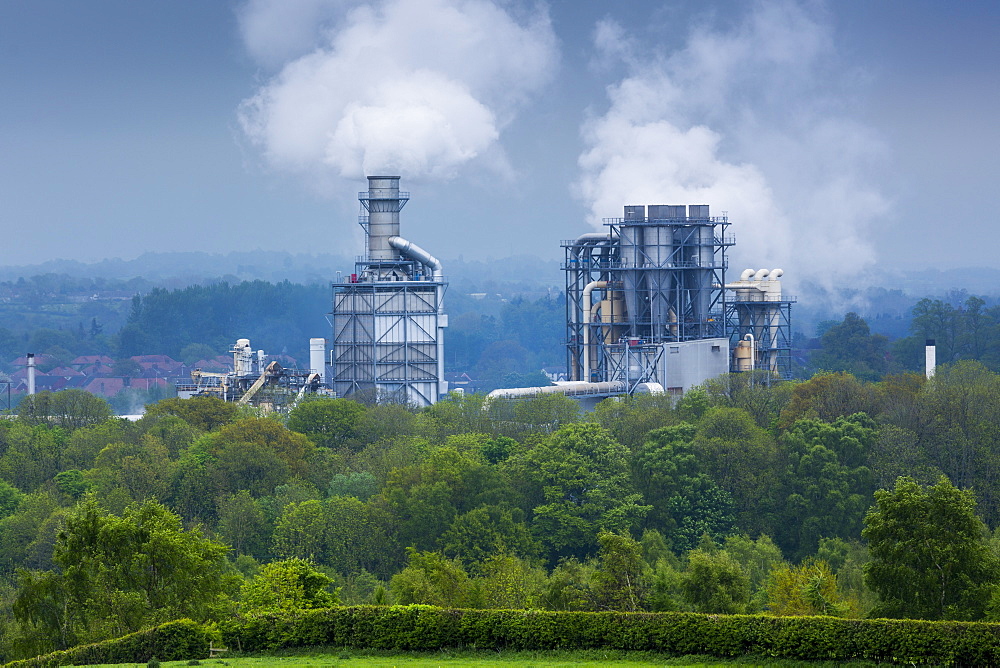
(838, 136)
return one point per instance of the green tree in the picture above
(629, 418)
(10, 499)
(850, 346)
(432, 579)
(425, 498)
(743, 460)
(476, 536)
(126, 367)
(301, 531)
(361, 485)
(827, 482)
(930, 558)
(121, 574)
(510, 583)
(960, 429)
(757, 558)
(580, 478)
(763, 401)
(618, 582)
(828, 396)
(30, 454)
(193, 353)
(329, 423)
(83, 444)
(285, 586)
(808, 589)
(568, 587)
(243, 524)
(715, 583)
(686, 502)
(204, 413)
(70, 409)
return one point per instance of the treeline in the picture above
(740, 497)
(962, 330)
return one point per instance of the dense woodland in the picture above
(742, 496)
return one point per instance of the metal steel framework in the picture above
(385, 340)
(767, 319)
(650, 279)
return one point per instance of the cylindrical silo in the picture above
(317, 357)
(630, 253)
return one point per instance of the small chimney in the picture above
(930, 358)
(31, 373)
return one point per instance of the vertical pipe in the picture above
(930, 358)
(586, 324)
(31, 373)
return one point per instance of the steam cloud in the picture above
(415, 87)
(753, 120)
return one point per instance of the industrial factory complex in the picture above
(649, 309)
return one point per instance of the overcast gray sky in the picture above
(838, 136)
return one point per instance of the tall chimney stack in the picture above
(930, 358)
(31, 373)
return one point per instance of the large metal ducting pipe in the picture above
(575, 389)
(317, 357)
(418, 254)
(31, 373)
(383, 203)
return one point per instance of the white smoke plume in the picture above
(754, 120)
(415, 87)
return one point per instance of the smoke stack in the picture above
(383, 203)
(930, 358)
(31, 373)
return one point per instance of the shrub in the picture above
(422, 627)
(173, 641)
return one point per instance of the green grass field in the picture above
(330, 658)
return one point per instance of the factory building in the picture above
(648, 309)
(388, 318)
(644, 300)
(759, 318)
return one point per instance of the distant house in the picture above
(91, 361)
(161, 365)
(105, 387)
(147, 383)
(213, 365)
(97, 370)
(65, 372)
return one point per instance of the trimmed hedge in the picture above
(419, 627)
(173, 641)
